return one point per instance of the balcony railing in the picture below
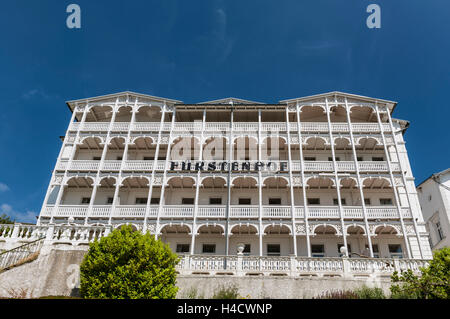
(147, 165)
(236, 212)
(295, 266)
(306, 127)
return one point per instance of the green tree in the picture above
(127, 264)
(433, 283)
(4, 219)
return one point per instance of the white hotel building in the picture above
(297, 179)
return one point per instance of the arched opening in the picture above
(314, 143)
(313, 113)
(124, 114)
(378, 192)
(325, 230)
(277, 230)
(99, 113)
(338, 114)
(144, 149)
(105, 191)
(185, 148)
(89, 149)
(362, 114)
(245, 236)
(180, 190)
(215, 148)
(115, 149)
(275, 192)
(245, 149)
(134, 191)
(149, 113)
(78, 191)
(274, 148)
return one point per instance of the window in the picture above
(245, 201)
(141, 200)
(359, 158)
(376, 252)
(336, 158)
(247, 249)
(335, 201)
(209, 248)
(273, 249)
(385, 201)
(154, 201)
(85, 200)
(109, 200)
(310, 158)
(119, 158)
(215, 201)
(96, 158)
(395, 251)
(182, 248)
(318, 250)
(274, 201)
(439, 231)
(429, 197)
(377, 159)
(349, 249)
(147, 158)
(187, 201)
(313, 201)
(367, 201)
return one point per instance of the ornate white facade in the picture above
(307, 176)
(434, 197)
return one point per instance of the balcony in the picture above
(295, 266)
(237, 265)
(219, 212)
(309, 166)
(306, 127)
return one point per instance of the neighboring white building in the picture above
(308, 176)
(434, 197)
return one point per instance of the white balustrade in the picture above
(95, 126)
(111, 165)
(146, 126)
(71, 211)
(217, 126)
(244, 211)
(101, 211)
(318, 166)
(323, 212)
(273, 126)
(138, 165)
(307, 127)
(176, 211)
(120, 126)
(319, 265)
(353, 212)
(245, 127)
(277, 211)
(84, 165)
(129, 211)
(211, 211)
(373, 166)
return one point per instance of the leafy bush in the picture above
(230, 292)
(337, 294)
(433, 283)
(128, 265)
(369, 293)
(4, 219)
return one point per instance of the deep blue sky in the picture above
(199, 50)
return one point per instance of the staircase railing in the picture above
(17, 256)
